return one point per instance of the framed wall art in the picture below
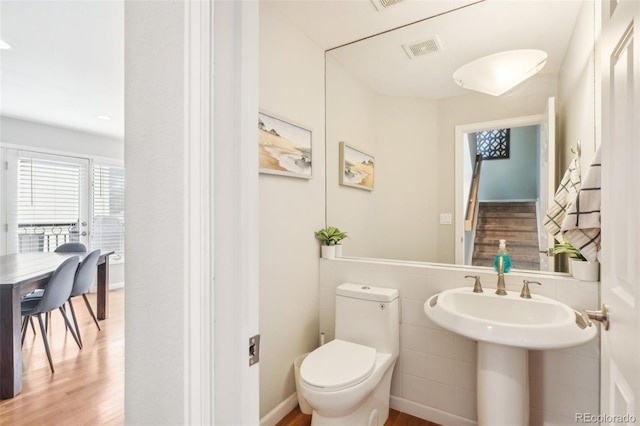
(356, 167)
(284, 148)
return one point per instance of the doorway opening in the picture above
(513, 191)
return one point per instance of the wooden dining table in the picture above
(20, 274)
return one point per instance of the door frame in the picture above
(221, 222)
(236, 216)
(459, 193)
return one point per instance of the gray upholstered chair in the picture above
(62, 248)
(71, 248)
(82, 282)
(56, 293)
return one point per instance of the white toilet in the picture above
(348, 380)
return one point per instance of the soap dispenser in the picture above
(506, 259)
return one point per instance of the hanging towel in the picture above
(564, 196)
(581, 226)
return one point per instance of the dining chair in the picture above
(56, 293)
(82, 282)
(62, 248)
(71, 247)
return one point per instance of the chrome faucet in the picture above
(501, 285)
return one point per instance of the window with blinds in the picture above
(108, 209)
(48, 203)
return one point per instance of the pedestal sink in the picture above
(506, 327)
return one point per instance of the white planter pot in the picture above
(585, 271)
(328, 252)
(338, 250)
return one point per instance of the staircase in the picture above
(512, 221)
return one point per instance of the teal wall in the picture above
(515, 178)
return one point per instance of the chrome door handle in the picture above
(601, 315)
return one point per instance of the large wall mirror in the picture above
(392, 96)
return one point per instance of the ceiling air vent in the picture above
(421, 48)
(382, 4)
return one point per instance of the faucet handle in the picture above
(477, 287)
(525, 293)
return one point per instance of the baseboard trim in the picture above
(274, 416)
(116, 286)
(429, 413)
(400, 404)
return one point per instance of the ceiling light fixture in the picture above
(103, 117)
(495, 74)
(4, 45)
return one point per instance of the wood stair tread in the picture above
(515, 222)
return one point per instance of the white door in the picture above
(620, 275)
(47, 201)
(547, 180)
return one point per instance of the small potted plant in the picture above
(579, 266)
(330, 238)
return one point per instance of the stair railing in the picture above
(473, 195)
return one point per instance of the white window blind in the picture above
(48, 203)
(108, 209)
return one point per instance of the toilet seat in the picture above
(338, 365)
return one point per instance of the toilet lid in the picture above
(338, 365)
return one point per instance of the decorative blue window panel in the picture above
(493, 144)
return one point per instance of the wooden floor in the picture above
(396, 418)
(88, 385)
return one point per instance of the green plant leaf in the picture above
(568, 248)
(330, 236)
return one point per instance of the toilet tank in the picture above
(369, 316)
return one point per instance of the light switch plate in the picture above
(445, 219)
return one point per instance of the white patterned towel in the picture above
(581, 227)
(565, 194)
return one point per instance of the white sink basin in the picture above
(505, 328)
(536, 323)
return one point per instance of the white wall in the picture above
(516, 177)
(400, 132)
(405, 130)
(154, 153)
(61, 140)
(435, 377)
(576, 94)
(350, 118)
(292, 88)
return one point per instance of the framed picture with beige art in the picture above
(356, 167)
(284, 148)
